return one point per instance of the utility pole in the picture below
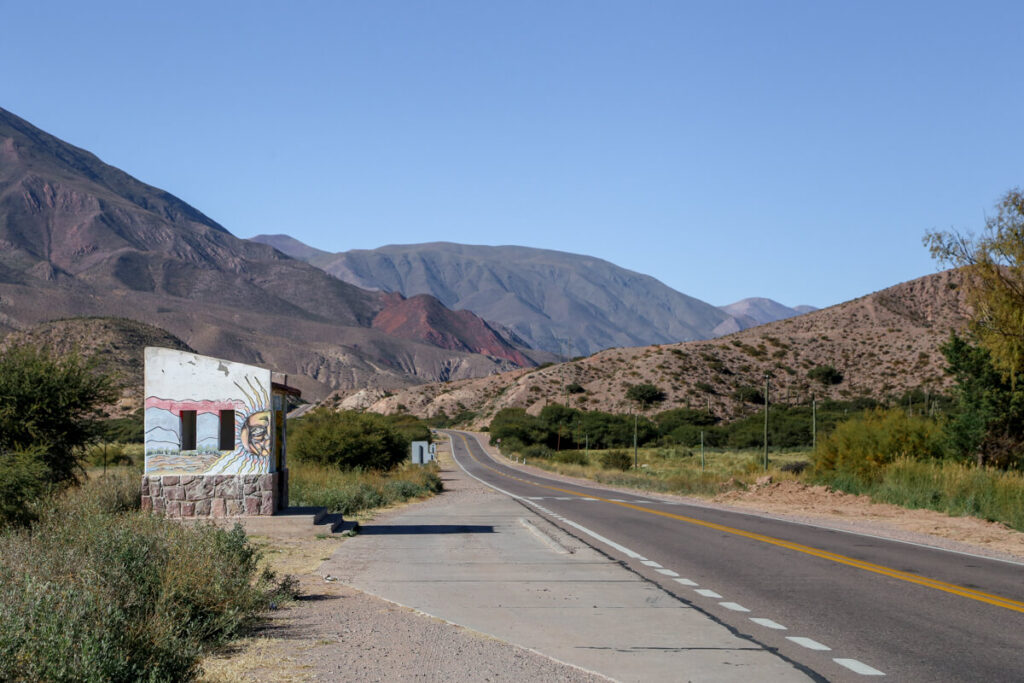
(636, 416)
(766, 422)
(814, 424)
(702, 452)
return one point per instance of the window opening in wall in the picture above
(227, 430)
(188, 430)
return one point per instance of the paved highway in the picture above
(845, 606)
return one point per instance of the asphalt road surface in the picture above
(845, 606)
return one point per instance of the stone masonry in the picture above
(220, 495)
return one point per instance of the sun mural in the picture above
(252, 432)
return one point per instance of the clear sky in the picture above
(793, 150)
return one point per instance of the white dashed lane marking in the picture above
(858, 667)
(734, 606)
(852, 664)
(808, 643)
(768, 623)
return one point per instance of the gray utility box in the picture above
(421, 453)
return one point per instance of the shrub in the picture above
(861, 446)
(24, 479)
(575, 388)
(516, 423)
(347, 440)
(128, 429)
(826, 374)
(350, 492)
(410, 427)
(98, 596)
(796, 467)
(511, 445)
(537, 451)
(616, 460)
(748, 394)
(572, 458)
(645, 394)
(50, 407)
(112, 454)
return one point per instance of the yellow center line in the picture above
(962, 591)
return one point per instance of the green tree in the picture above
(50, 407)
(987, 425)
(347, 440)
(993, 268)
(516, 423)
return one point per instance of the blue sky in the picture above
(794, 150)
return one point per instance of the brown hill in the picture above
(79, 237)
(883, 344)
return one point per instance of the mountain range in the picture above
(79, 237)
(567, 304)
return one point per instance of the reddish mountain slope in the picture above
(423, 318)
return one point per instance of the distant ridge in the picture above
(759, 311)
(564, 303)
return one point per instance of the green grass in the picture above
(350, 492)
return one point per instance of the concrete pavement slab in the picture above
(477, 558)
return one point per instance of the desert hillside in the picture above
(883, 344)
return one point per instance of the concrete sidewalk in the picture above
(477, 558)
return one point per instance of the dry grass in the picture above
(679, 470)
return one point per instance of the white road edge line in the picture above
(651, 563)
(808, 643)
(667, 572)
(852, 664)
(593, 534)
(768, 623)
(858, 667)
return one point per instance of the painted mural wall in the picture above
(205, 404)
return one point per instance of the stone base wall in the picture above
(219, 495)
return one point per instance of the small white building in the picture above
(215, 436)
